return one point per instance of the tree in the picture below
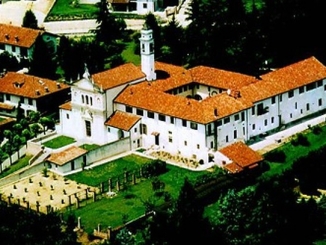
(8, 62)
(30, 20)
(43, 63)
(124, 237)
(109, 29)
(151, 23)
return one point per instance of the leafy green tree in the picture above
(43, 62)
(8, 62)
(124, 237)
(30, 20)
(152, 23)
(109, 29)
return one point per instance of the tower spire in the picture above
(147, 53)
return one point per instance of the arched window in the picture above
(83, 99)
(91, 100)
(87, 99)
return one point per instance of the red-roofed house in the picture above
(20, 41)
(193, 113)
(30, 93)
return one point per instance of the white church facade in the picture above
(190, 112)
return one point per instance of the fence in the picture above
(13, 158)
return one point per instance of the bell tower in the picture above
(147, 54)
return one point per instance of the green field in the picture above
(59, 142)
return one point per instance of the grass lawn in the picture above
(23, 162)
(128, 53)
(294, 152)
(110, 211)
(64, 7)
(99, 174)
(59, 142)
(89, 147)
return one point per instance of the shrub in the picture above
(316, 129)
(300, 139)
(275, 156)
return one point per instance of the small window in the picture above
(170, 139)
(193, 125)
(150, 114)
(8, 97)
(253, 127)
(67, 116)
(139, 112)
(161, 117)
(307, 106)
(109, 130)
(280, 98)
(320, 83)
(273, 100)
(198, 146)
(135, 130)
(172, 120)
(145, 5)
(185, 142)
(265, 122)
(235, 134)
(129, 109)
(320, 102)
(253, 110)
(184, 123)
(30, 101)
(143, 128)
(301, 90)
(219, 123)
(296, 105)
(272, 120)
(227, 139)
(236, 117)
(291, 94)
(83, 100)
(226, 120)
(242, 116)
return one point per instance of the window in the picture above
(235, 134)
(272, 120)
(253, 110)
(198, 146)
(88, 128)
(184, 123)
(87, 99)
(226, 120)
(145, 5)
(128, 109)
(253, 127)
(161, 117)
(280, 98)
(170, 139)
(320, 102)
(265, 122)
(185, 142)
(325, 87)
(307, 106)
(139, 112)
(151, 47)
(296, 105)
(311, 86)
(143, 47)
(7, 96)
(193, 125)
(83, 100)
(150, 114)
(236, 117)
(227, 139)
(260, 109)
(91, 99)
(301, 90)
(320, 83)
(135, 130)
(30, 101)
(143, 128)
(172, 120)
(273, 100)
(209, 129)
(180, 90)
(109, 130)
(67, 116)
(291, 94)
(219, 123)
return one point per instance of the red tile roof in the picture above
(285, 79)
(18, 36)
(220, 78)
(29, 86)
(122, 120)
(118, 76)
(65, 156)
(233, 168)
(66, 106)
(241, 154)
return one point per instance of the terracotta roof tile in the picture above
(18, 36)
(66, 106)
(285, 79)
(122, 120)
(220, 78)
(233, 168)
(118, 76)
(29, 86)
(66, 156)
(241, 154)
